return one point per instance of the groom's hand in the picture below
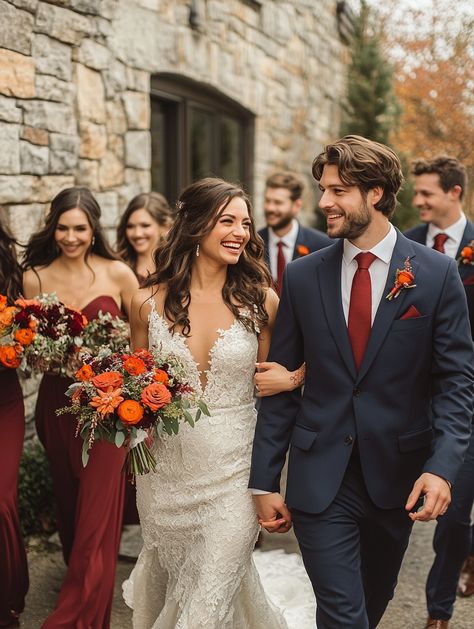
(272, 513)
(437, 493)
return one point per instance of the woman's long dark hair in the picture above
(198, 210)
(41, 249)
(10, 272)
(158, 208)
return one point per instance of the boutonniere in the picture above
(467, 254)
(403, 279)
(302, 250)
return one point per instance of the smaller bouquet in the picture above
(17, 331)
(57, 334)
(106, 331)
(128, 399)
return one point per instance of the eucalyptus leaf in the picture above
(85, 454)
(188, 417)
(119, 438)
(203, 406)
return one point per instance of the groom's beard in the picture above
(353, 226)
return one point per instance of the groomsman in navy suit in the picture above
(285, 239)
(439, 187)
(381, 429)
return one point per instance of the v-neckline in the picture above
(221, 333)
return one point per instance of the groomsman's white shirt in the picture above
(455, 233)
(378, 276)
(289, 241)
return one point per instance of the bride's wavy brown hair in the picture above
(198, 210)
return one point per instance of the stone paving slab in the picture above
(406, 611)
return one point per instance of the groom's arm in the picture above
(277, 413)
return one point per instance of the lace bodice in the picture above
(229, 379)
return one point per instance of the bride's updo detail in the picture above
(197, 212)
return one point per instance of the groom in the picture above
(382, 426)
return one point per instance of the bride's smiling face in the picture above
(229, 236)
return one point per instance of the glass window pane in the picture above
(230, 149)
(158, 148)
(202, 145)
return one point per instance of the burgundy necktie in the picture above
(439, 241)
(360, 307)
(281, 263)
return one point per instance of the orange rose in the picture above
(108, 379)
(6, 316)
(467, 253)
(85, 373)
(155, 396)
(9, 356)
(161, 376)
(24, 336)
(3, 303)
(405, 277)
(135, 366)
(130, 412)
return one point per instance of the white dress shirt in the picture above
(378, 276)
(455, 233)
(289, 240)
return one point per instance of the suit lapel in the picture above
(467, 237)
(300, 240)
(329, 273)
(388, 310)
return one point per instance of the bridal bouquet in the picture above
(129, 398)
(17, 331)
(58, 329)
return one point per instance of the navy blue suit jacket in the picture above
(312, 239)
(408, 406)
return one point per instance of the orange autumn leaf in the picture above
(130, 412)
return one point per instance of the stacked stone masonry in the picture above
(75, 89)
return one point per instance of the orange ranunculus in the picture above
(130, 412)
(161, 376)
(108, 379)
(467, 253)
(107, 401)
(85, 373)
(135, 366)
(6, 316)
(24, 336)
(9, 356)
(405, 277)
(142, 353)
(24, 303)
(3, 303)
(155, 396)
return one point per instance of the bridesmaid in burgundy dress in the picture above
(71, 257)
(13, 566)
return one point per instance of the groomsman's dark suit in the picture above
(405, 410)
(307, 241)
(453, 539)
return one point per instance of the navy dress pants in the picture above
(352, 552)
(452, 543)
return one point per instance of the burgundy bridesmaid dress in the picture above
(89, 504)
(13, 566)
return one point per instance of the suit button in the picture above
(356, 392)
(348, 440)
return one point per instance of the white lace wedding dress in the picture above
(198, 520)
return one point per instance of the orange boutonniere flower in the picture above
(24, 336)
(130, 412)
(161, 376)
(107, 401)
(155, 396)
(85, 373)
(135, 366)
(403, 279)
(467, 254)
(302, 250)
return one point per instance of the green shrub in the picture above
(35, 493)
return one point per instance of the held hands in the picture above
(437, 495)
(273, 378)
(272, 513)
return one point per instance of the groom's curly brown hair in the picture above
(365, 164)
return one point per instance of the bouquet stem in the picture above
(140, 460)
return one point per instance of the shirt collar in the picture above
(383, 249)
(288, 239)
(454, 231)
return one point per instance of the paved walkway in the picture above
(406, 611)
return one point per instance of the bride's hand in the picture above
(273, 378)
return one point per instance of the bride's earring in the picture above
(93, 241)
(197, 251)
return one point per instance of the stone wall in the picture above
(75, 83)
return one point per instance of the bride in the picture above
(210, 304)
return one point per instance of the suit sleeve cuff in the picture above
(259, 492)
